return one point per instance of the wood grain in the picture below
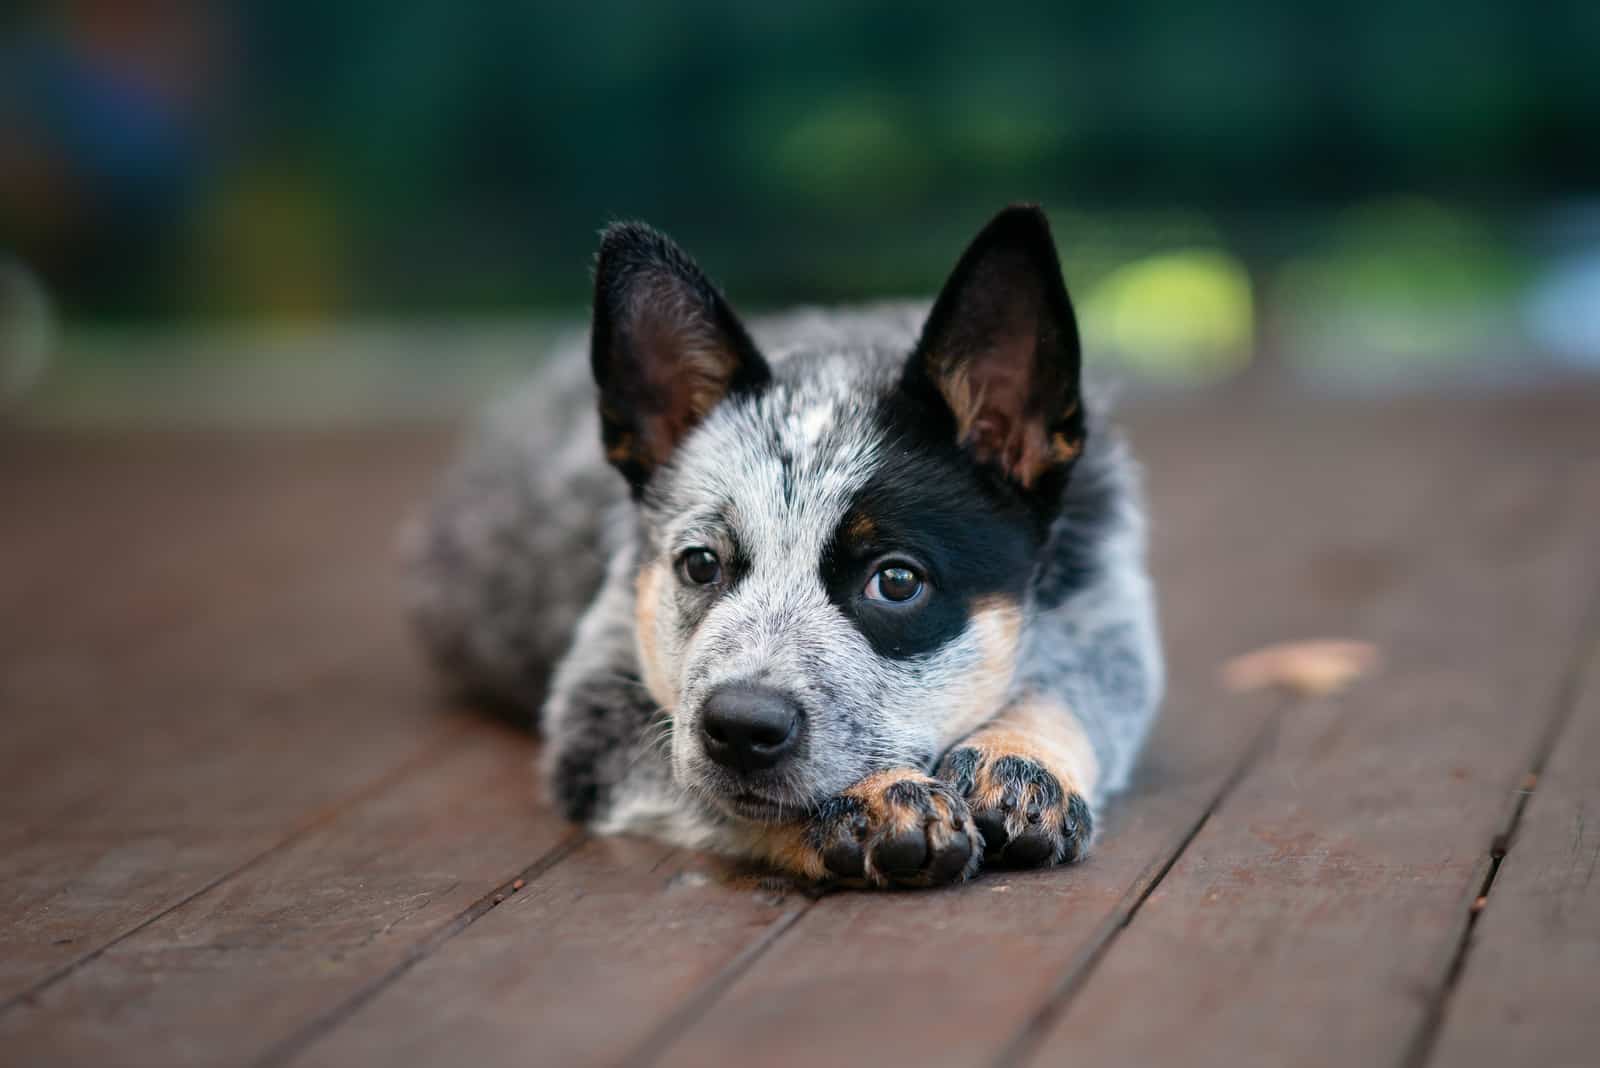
(1315, 918)
(1529, 991)
(581, 967)
(974, 966)
(265, 953)
(159, 730)
(242, 828)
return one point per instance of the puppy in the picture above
(862, 594)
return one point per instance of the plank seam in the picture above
(659, 1041)
(295, 1044)
(1032, 1032)
(1420, 1050)
(431, 751)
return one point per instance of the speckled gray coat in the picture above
(528, 556)
(868, 599)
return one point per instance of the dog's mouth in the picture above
(749, 805)
(763, 797)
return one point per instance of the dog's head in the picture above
(833, 547)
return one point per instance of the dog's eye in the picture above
(895, 582)
(700, 566)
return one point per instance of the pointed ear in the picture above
(665, 348)
(1000, 350)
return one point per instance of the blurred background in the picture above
(309, 212)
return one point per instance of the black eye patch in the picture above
(927, 508)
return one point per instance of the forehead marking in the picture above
(814, 422)
(788, 466)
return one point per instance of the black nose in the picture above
(748, 728)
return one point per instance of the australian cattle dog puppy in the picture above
(861, 594)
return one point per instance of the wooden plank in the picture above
(1528, 995)
(171, 817)
(579, 968)
(623, 946)
(1231, 522)
(1315, 917)
(262, 955)
(612, 956)
(134, 567)
(110, 540)
(158, 739)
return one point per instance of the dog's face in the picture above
(833, 553)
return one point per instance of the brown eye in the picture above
(700, 566)
(896, 583)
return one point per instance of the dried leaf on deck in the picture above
(1313, 668)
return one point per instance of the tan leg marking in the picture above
(789, 848)
(1027, 777)
(996, 624)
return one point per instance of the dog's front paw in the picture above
(897, 828)
(1028, 816)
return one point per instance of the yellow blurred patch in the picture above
(1186, 314)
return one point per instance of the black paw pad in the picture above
(951, 860)
(845, 859)
(1029, 850)
(903, 854)
(992, 825)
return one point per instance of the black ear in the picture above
(665, 348)
(1000, 350)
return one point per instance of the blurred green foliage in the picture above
(317, 159)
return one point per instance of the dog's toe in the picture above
(950, 862)
(1027, 817)
(992, 825)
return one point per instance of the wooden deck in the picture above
(240, 827)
